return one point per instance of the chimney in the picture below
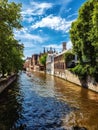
(64, 46)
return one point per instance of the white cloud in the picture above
(40, 7)
(69, 45)
(28, 12)
(36, 8)
(54, 22)
(28, 44)
(25, 36)
(59, 47)
(54, 46)
(28, 52)
(18, 33)
(74, 14)
(68, 10)
(23, 30)
(28, 19)
(63, 2)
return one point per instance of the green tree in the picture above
(10, 19)
(69, 56)
(43, 59)
(15, 57)
(84, 36)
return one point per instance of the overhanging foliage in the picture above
(84, 36)
(11, 52)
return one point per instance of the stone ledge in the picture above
(5, 82)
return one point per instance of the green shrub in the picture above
(84, 70)
(80, 71)
(68, 56)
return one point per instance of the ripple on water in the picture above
(41, 104)
(44, 112)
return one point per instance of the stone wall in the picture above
(89, 83)
(4, 83)
(72, 77)
(60, 74)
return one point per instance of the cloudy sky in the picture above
(46, 23)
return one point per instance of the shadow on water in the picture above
(22, 107)
(9, 107)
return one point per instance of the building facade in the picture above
(50, 63)
(35, 62)
(59, 62)
(27, 64)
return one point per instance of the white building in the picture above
(50, 63)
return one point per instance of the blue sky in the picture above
(46, 23)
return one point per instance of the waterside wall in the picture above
(89, 83)
(4, 83)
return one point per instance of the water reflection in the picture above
(43, 102)
(10, 108)
(84, 100)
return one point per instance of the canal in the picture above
(44, 102)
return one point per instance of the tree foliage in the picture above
(69, 56)
(43, 59)
(11, 52)
(84, 36)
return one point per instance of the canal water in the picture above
(44, 102)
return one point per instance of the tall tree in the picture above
(84, 35)
(10, 19)
(43, 60)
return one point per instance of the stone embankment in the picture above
(89, 83)
(5, 82)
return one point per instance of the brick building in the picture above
(59, 61)
(35, 62)
(27, 64)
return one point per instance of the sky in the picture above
(46, 23)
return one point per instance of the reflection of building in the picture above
(50, 63)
